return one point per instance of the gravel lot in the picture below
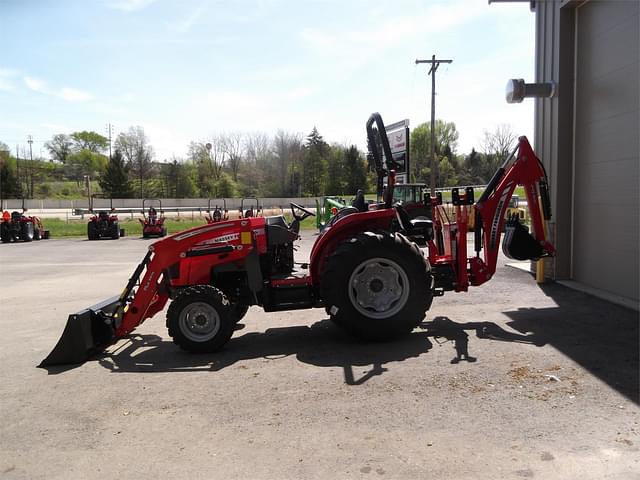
(552, 393)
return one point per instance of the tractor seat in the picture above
(422, 227)
(278, 232)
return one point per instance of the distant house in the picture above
(588, 136)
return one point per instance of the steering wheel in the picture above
(307, 213)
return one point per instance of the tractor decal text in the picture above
(182, 236)
(148, 282)
(497, 216)
(222, 239)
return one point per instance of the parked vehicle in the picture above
(152, 222)
(365, 270)
(18, 227)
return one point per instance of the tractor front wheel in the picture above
(239, 310)
(377, 285)
(200, 319)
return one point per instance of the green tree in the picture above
(178, 181)
(335, 171)
(446, 135)
(115, 180)
(9, 184)
(355, 171)
(138, 154)
(85, 162)
(225, 186)
(60, 147)
(314, 163)
(92, 141)
(448, 177)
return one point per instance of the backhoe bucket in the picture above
(518, 243)
(86, 332)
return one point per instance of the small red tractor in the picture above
(16, 226)
(217, 214)
(250, 210)
(365, 269)
(103, 224)
(152, 224)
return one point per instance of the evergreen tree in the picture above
(335, 171)
(315, 163)
(115, 180)
(355, 171)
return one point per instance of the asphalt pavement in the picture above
(509, 380)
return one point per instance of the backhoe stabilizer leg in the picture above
(87, 332)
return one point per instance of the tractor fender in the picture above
(342, 230)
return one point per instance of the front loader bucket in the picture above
(86, 332)
(518, 243)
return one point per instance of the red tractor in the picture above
(16, 226)
(217, 214)
(365, 269)
(250, 210)
(152, 224)
(103, 225)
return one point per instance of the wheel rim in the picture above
(199, 322)
(378, 288)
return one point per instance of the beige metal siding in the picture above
(553, 127)
(606, 149)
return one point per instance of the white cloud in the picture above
(129, 5)
(73, 95)
(65, 93)
(36, 85)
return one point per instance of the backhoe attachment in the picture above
(518, 243)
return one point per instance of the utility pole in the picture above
(109, 127)
(435, 63)
(30, 142)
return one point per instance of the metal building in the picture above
(588, 136)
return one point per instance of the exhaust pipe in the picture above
(86, 333)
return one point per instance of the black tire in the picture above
(200, 319)
(239, 311)
(163, 232)
(115, 231)
(26, 231)
(377, 285)
(92, 231)
(5, 234)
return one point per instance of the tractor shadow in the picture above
(321, 344)
(600, 336)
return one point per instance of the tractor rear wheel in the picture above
(115, 231)
(377, 285)
(200, 319)
(26, 231)
(92, 231)
(5, 233)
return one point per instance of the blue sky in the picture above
(187, 70)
